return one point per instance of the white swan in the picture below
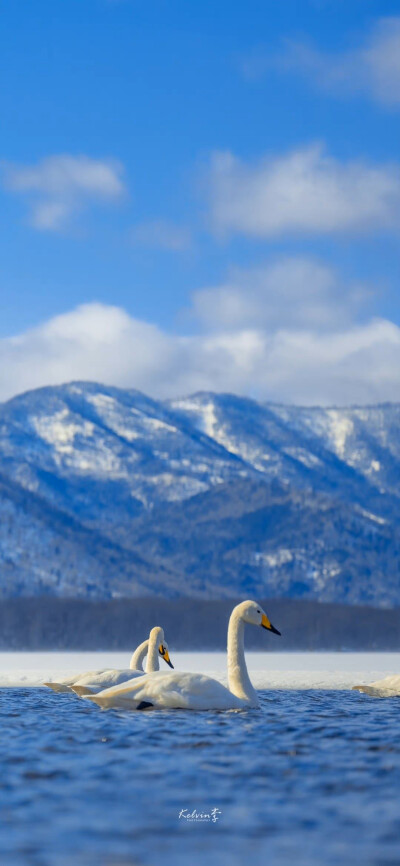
(196, 691)
(93, 681)
(389, 687)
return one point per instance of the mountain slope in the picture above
(354, 453)
(106, 492)
(257, 538)
(45, 551)
(104, 454)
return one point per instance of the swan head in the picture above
(253, 613)
(157, 635)
(163, 652)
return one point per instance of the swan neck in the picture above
(136, 663)
(238, 678)
(152, 654)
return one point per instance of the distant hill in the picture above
(191, 624)
(106, 493)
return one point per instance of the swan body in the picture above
(195, 691)
(136, 664)
(389, 687)
(171, 691)
(94, 681)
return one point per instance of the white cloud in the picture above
(59, 187)
(93, 341)
(291, 293)
(372, 67)
(163, 235)
(356, 365)
(281, 355)
(302, 192)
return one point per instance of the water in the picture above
(312, 778)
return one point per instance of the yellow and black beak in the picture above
(165, 655)
(267, 624)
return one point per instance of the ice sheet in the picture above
(278, 671)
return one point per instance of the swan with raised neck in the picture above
(106, 679)
(92, 681)
(152, 648)
(196, 691)
(155, 647)
(238, 677)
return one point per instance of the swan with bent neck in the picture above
(94, 681)
(196, 691)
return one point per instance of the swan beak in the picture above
(165, 655)
(167, 659)
(267, 624)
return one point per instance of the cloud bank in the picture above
(303, 192)
(269, 348)
(59, 187)
(291, 293)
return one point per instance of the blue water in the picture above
(312, 778)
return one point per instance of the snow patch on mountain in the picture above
(212, 493)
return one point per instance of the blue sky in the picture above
(210, 191)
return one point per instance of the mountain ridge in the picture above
(147, 478)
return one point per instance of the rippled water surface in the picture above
(311, 778)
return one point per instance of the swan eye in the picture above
(161, 650)
(258, 611)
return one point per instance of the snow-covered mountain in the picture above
(322, 447)
(106, 492)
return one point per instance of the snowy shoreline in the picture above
(286, 670)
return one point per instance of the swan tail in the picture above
(57, 687)
(109, 702)
(82, 690)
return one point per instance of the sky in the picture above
(201, 196)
